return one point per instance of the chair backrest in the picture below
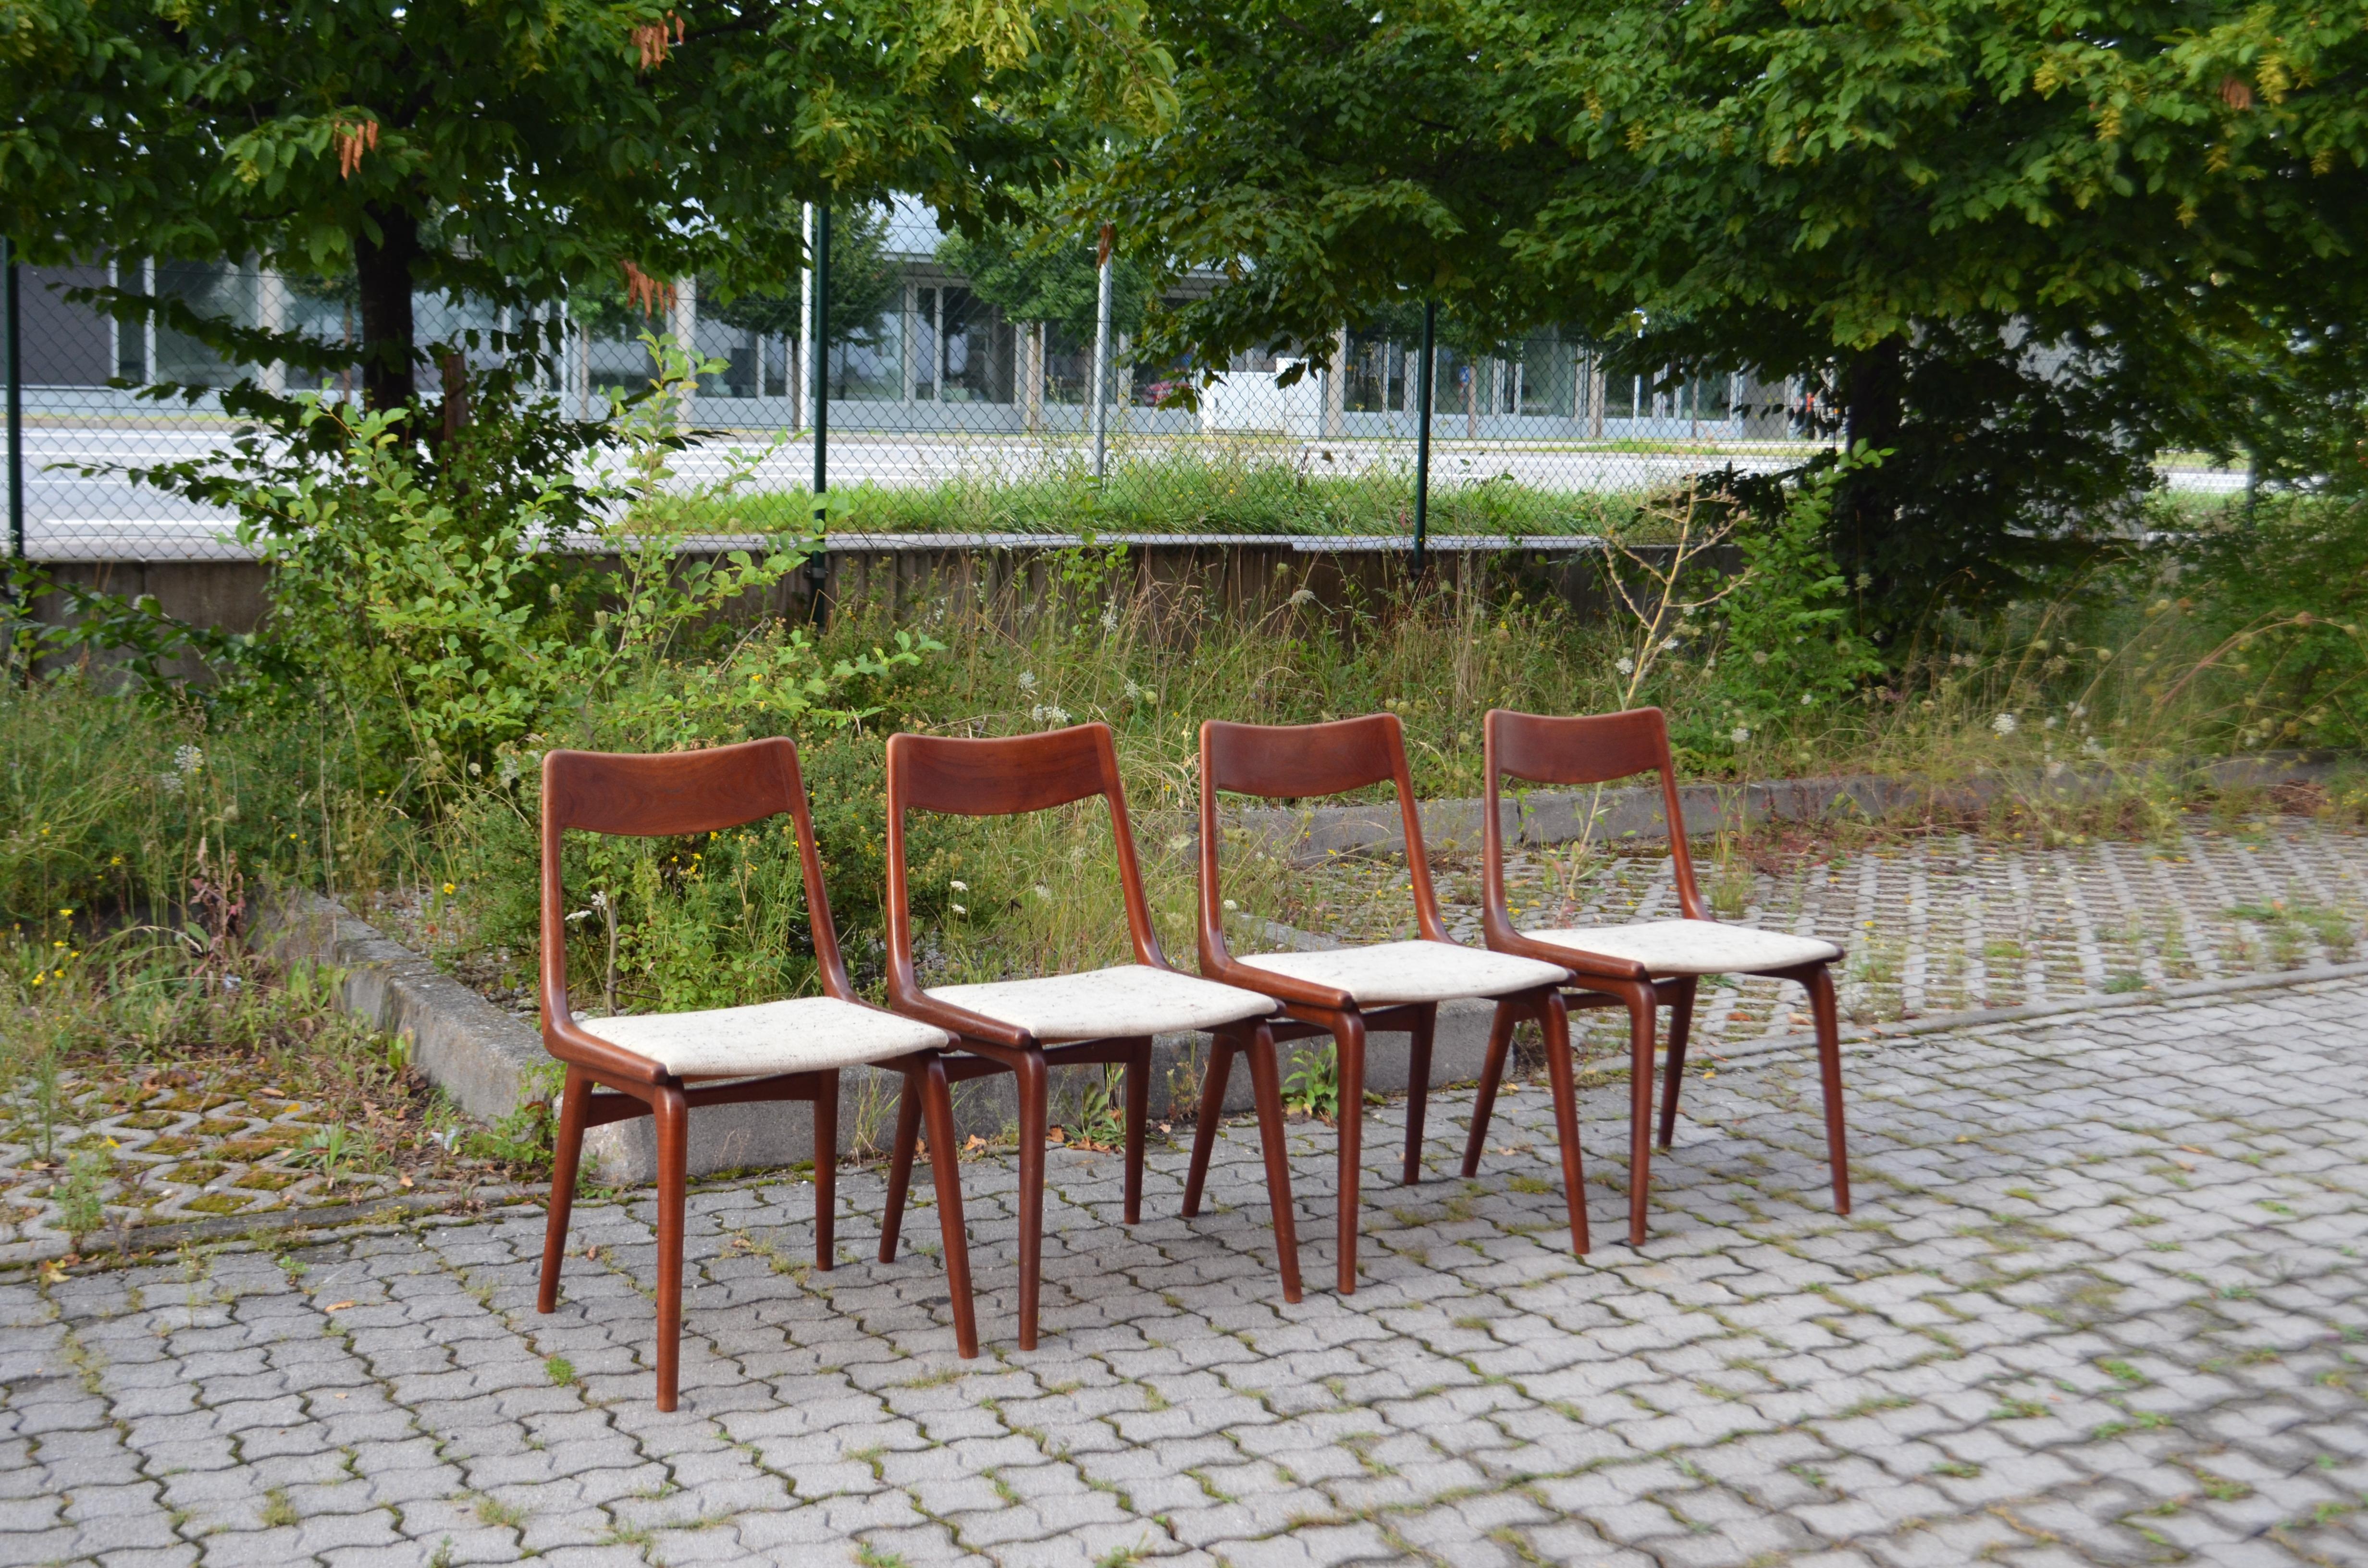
(671, 793)
(1008, 776)
(1593, 748)
(1297, 762)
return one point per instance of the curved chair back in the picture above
(1595, 748)
(665, 795)
(1300, 761)
(1008, 776)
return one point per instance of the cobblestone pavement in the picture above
(1943, 923)
(2102, 1302)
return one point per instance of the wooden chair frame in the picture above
(1008, 778)
(666, 795)
(1299, 761)
(1596, 749)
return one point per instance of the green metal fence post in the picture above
(1422, 438)
(818, 564)
(16, 410)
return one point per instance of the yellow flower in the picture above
(65, 912)
(449, 887)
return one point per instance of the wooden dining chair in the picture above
(1643, 965)
(663, 1065)
(1025, 1026)
(1350, 992)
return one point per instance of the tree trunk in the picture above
(384, 276)
(1874, 389)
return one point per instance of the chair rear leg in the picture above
(674, 1146)
(826, 1151)
(1266, 1080)
(1138, 1112)
(1554, 1022)
(566, 1157)
(1681, 1019)
(1351, 1034)
(1820, 983)
(1213, 1107)
(1425, 1024)
(900, 1164)
(1484, 1104)
(936, 1097)
(1033, 1115)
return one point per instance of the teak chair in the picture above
(1349, 993)
(1024, 1026)
(661, 1065)
(1649, 964)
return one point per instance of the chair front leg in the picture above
(1681, 1017)
(825, 1163)
(1138, 1113)
(1820, 981)
(1348, 1033)
(674, 1153)
(1029, 1076)
(1484, 1104)
(1218, 1069)
(945, 1167)
(1643, 1004)
(1425, 1024)
(566, 1158)
(1554, 1023)
(1266, 1081)
(900, 1162)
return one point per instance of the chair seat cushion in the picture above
(804, 1034)
(1693, 947)
(1107, 1004)
(1389, 974)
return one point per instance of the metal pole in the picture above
(1422, 437)
(16, 410)
(1102, 360)
(818, 564)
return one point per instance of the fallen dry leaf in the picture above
(336, 1306)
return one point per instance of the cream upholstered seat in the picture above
(1389, 974)
(1693, 947)
(1127, 1001)
(804, 1034)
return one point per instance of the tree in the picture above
(2020, 247)
(864, 282)
(1043, 272)
(512, 152)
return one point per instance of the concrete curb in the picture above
(1633, 812)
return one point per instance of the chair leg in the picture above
(1681, 1019)
(1554, 1022)
(900, 1164)
(1138, 1112)
(1213, 1107)
(1643, 1003)
(1425, 1024)
(1033, 1114)
(1501, 1042)
(945, 1168)
(674, 1149)
(1829, 1069)
(826, 1163)
(1266, 1080)
(1350, 1035)
(566, 1157)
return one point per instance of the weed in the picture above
(279, 1513)
(1314, 1086)
(560, 1370)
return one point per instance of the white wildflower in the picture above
(1134, 689)
(2092, 746)
(1230, 907)
(1109, 621)
(1026, 680)
(1626, 667)
(188, 760)
(1668, 644)
(2003, 724)
(1041, 890)
(958, 909)
(171, 783)
(1739, 734)
(1049, 713)
(2055, 770)
(2080, 711)
(1304, 596)
(958, 886)
(1808, 699)
(510, 767)
(2051, 723)
(1759, 655)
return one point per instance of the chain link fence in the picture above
(943, 414)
